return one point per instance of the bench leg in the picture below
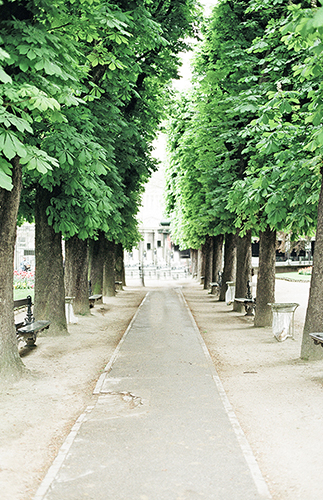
(31, 341)
(215, 290)
(316, 342)
(249, 311)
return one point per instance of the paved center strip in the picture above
(159, 429)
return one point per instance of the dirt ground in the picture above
(276, 397)
(37, 413)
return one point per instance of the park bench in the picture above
(95, 298)
(318, 338)
(249, 301)
(215, 287)
(118, 285)
(249, 305)
(28, 329)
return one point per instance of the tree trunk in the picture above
(119, 264)
(314, 313)
(243, 272)
(229, 269)
(123, 275)
(109, 270)
(194, 263)
(97, 257)
(208, 255)
(266, 277)
(217, 257)
(11, 366)
(201, 263)
(49, 275)
(76, 274)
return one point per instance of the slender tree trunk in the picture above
(76, 274)
(266, 277)
(49, 276)
(230, 261)
(314, 313)
(208, 255)
(123, 275)
(109, 270)
(11, 366)
(243, 273)
(96, 258)
(194, 263)
(201, 263)
(217, 256)
(119, 264)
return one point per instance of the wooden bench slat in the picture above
(93, 298)
(245, 301)
(34, 327)
(17, 304)
(318, 338)
(249, 304)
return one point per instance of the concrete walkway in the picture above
(161, 427)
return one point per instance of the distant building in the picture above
(156, 248)
(25, 245)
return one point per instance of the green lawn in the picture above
(294, 276)
(20, 293)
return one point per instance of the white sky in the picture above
(208, 5)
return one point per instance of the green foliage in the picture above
(217, 151)
(256, 122)
(83, 94)
(35, 62)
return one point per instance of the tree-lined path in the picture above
(159, 428)
(84, 87)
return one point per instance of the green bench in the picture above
(318, 338)
(28, 329)
(95, 298)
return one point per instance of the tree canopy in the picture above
(256, 120)
(255, 134)
(84, 87)
(83, 90)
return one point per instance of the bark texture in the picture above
(200, 263)
(266, 277)
(96, 258)
(208, 256)
(119, 264)
(230, 260)
(314, 313)
(194, 258)
(243, 273)
(217, 257)
(76, 274)
(109, 270)
(11, 366)
(49, 275)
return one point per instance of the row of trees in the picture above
(246, 146)
(83, 90)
